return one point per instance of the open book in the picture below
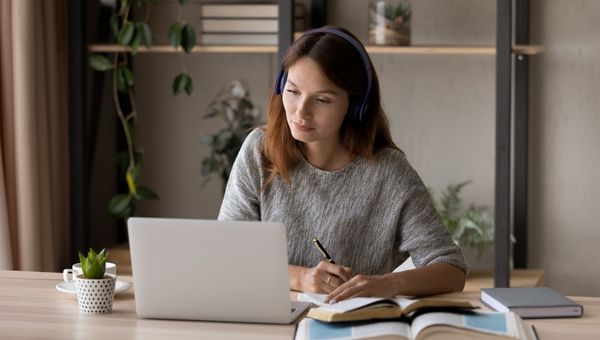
(427, 326)
(356, 309)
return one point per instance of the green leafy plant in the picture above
(392, 11)
(472, 227)
(130, 36)
(94, 265)
(234, 107)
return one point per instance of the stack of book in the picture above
(406, 319)
(243, 24)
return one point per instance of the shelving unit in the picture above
(509, 160)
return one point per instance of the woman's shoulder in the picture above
(394, 163)
(391, 156)
(255, 141)
(256, 136)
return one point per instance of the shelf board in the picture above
(415, 49)
(197, 49)
(453, 49)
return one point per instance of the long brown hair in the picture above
(343, 65)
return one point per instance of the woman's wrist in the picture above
(397, 280)
(296, 274)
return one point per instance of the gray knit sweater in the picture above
(370, 215)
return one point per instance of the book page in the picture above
(406, 305)
(313, 329)
(503, 324)
(314, 298)
(342, 306)
(410, 305)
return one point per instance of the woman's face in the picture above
(314, 107)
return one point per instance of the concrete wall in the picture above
(441, 110)
(565, 146)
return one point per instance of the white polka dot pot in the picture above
(95, 296)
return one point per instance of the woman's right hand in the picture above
(324, 278)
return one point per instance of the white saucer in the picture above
(67, 287)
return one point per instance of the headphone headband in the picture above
(358, 109)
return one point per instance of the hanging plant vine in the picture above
(130, 35)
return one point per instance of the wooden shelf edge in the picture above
(450, 49)
(111, 48)
(528, 49)
(415, 49)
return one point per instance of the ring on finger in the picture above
(329, 279)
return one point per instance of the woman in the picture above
(327, 168)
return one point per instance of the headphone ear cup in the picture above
(280, 82)
(356, 108)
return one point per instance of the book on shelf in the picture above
(425, 326)
(357, 309)
(245, 25)
(531, 302)
(237, 10)
(237, 39)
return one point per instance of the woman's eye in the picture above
(292, 91)
(323, 100)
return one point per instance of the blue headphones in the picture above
(358, 106)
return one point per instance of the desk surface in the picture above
(31, 307)
(518, 278)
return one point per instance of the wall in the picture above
(565, 146)
(441, 110)
(171, 128)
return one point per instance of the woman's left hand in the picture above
(364, 286)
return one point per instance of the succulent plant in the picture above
(94, 265)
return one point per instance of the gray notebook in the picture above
(531, 303)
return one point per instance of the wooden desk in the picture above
(31, 307)
(518, 278)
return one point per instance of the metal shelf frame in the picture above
(510, 196)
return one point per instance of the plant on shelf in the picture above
(94, 265)
(472, 227)
(130, 35)
(240, 115)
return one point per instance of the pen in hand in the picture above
(535, 333)
(322, 250)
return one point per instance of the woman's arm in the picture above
(432, 279)
(241, 198)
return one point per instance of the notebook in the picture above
(531, 302)
(211, 270)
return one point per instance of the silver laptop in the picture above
(211, 270)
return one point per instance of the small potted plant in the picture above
(472, 227)
(95, 288)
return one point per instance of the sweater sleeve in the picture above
(423, 234)
(241, 199)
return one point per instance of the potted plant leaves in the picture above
(95, 288)
(240, 115)
(472, 227)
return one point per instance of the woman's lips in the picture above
(302, 127)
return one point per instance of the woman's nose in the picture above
(303, 108)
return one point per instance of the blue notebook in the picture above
(531, 303)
